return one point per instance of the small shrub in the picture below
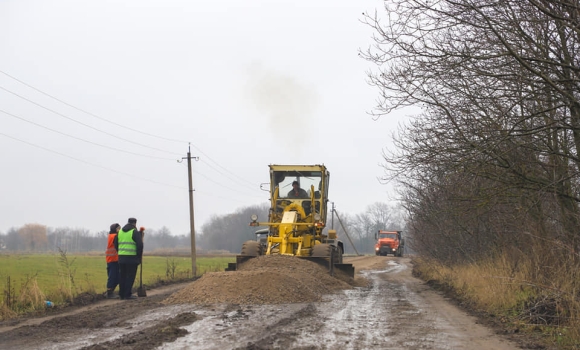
(67, 273)
(30, 297)
(170, 268)
(90, 286)
(6, 313)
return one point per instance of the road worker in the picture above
(129, 245)
(112, 262)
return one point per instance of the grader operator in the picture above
(297, 219)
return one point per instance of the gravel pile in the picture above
(267, 279)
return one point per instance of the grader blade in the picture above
(348, 269)
(240, 259)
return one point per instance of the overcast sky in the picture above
(99, 100)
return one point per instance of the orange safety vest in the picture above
(111, 252)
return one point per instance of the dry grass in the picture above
(67, 273)
(31, 297)
(6, 313)
(62, 278)
(533, 291)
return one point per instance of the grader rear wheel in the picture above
(251, 248)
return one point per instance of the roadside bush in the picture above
(30, 298)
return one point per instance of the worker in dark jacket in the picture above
(129, 245)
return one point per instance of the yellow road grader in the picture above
(297, 219)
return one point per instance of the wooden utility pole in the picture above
(332, 221)
(191, 218)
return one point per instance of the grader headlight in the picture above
(317, 217)
(254, 218)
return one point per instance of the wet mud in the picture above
(384, 307)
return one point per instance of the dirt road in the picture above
(393, 310)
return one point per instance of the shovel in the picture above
(141, 290)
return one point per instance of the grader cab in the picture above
(297, 219)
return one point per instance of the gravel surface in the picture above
(267, 279)
(385, 307)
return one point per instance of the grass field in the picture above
(59, 275)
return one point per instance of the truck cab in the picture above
(389, 242)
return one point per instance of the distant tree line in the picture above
(40, 238)
(222, 233)
(228, 232)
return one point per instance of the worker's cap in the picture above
(132, 220)
(114, 228)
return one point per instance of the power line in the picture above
(120, 125)
(89, 113)
(216, 163)
(83, 124)
(253, 188)
(81, 139)
(89, 163)
(127, 174)
(229, 199)
(222, 185)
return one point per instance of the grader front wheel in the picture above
(251, 248)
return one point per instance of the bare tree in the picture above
(498, 136)
(229, 232)
(33, 237)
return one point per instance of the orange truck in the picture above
(389, 242)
